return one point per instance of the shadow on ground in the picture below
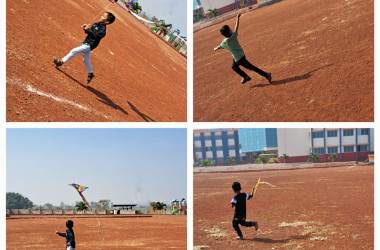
(292, 79)
(274, 241)
(102, 97)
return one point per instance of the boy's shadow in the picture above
(291, 79)
(103, 98)
(268, 240)
(144, 116)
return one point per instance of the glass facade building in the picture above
(257, 139)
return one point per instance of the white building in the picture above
(349, 144)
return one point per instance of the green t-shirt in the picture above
(232, 45)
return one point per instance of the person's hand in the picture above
(87, 26)
(216, 48)
(56, 232)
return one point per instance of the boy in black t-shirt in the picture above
(69, 235)
(239, 202)
(94, 33)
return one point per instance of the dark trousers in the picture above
(244, 62)
(236, 221)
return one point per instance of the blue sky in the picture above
(172, 11)
(117, 164)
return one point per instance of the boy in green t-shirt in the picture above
(231, 44)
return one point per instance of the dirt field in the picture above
(138, 76)
(320, 53)
(156, 232)
(330, 208)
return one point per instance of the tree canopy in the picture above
(18, 201)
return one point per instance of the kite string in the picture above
(100, 13)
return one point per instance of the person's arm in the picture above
(218, 47)
(233, 202)
(87, 27)
(100, 33)
(61, 234)
(237, 22)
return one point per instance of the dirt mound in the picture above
(320, 53)
(138, 76)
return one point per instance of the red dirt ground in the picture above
(138, 76)
(320, 53)
(330, 208)
(160, 232)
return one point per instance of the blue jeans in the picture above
(83, 49)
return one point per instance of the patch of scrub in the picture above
(214, 232)
(200, 247)
(317, 238)
(293, 224)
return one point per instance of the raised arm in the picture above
(237, 22)
(218, 47)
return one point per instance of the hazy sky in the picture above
(115, 164)
(172, 11)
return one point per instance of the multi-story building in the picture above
(256, 141)
(217, 145)
(349, 144)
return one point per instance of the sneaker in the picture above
(256, 225)
(90, 77)
(245, 79)
(57, 61)
(240, 238)
(269, 77)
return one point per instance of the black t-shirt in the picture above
(240, 204)
(69, 237)
(95, 34)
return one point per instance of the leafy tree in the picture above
(154, 19)
(262, 159)
(158, 205)
(135, 7)
(62, 205)
(103, 205)
(314, 157)
(81, 206)
(198, 16)
(205, 163)
(284, 157)
(214, 13)
(231, 160)
(17, 201)
(48, 206)
(243, 3)
(332, 157)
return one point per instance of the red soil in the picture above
(138, 76)
(320, 53)
(161, 232)
(331, 208)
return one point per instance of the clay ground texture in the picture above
(331, 208)
(320, 53)
(138, 76)
(159, 232)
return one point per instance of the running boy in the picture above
(69, 235)
(239, 202)
(95, 33)
(231, 44)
